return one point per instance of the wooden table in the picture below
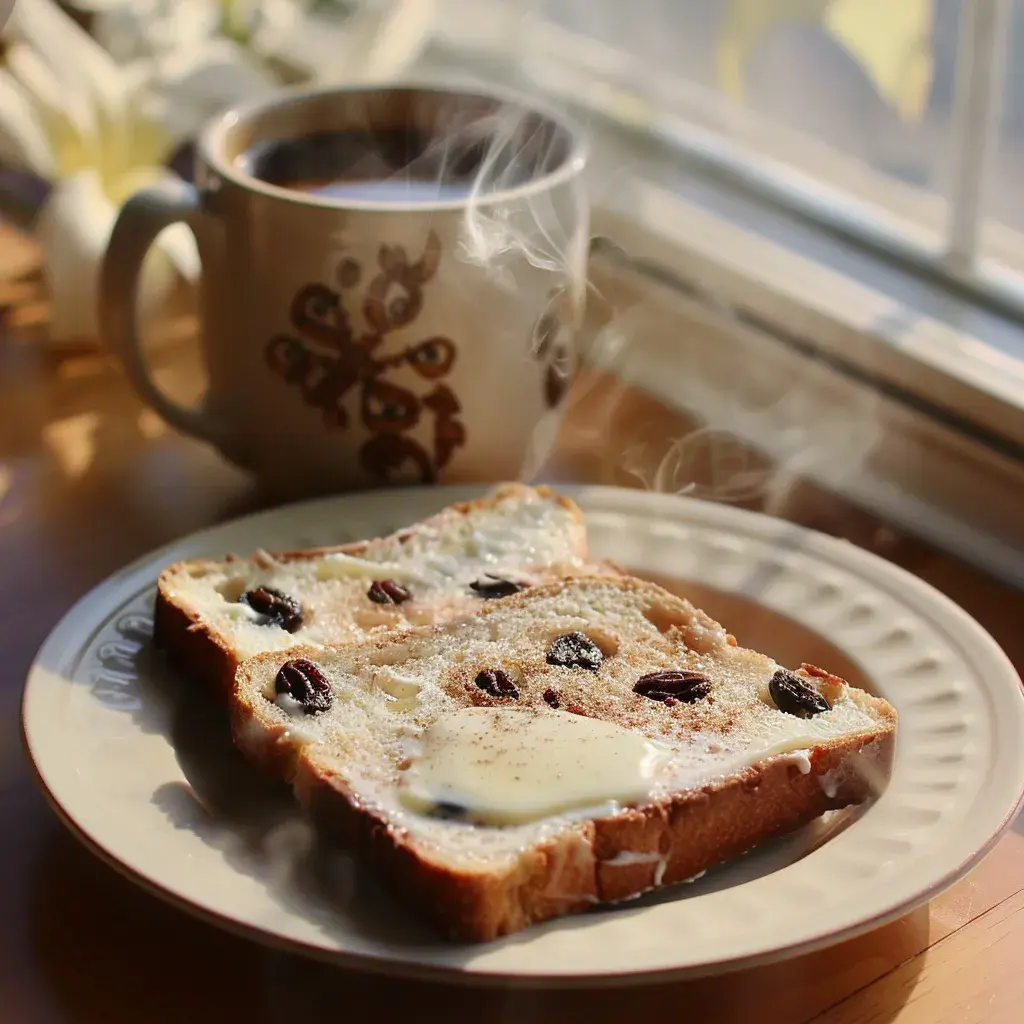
(89, 480)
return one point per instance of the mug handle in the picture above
(140, 220)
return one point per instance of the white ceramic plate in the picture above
(140, 768)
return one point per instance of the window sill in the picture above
(787, 358)
(950, 373)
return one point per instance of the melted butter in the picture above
(402, 689)
(240, 611)
(499, 766)
(340, 566)
(788, 745)
(527, 532)
(289, 705)
(802, 760)
(394, 683)
(297, 731)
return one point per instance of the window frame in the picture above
(938, 236)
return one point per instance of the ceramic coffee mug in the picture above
(391, 281)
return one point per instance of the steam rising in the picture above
(532, 228)
(758, 419)
(512, 229)
(754, 418)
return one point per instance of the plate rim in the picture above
(760, 525)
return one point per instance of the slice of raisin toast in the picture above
(210, 615)
(581, 742)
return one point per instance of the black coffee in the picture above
(389, 166)
(447, 159)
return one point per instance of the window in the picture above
(1003, 238)
(895, 123)
(754, 140)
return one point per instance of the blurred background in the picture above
(856, 100)
(861, 94)
(809, 233)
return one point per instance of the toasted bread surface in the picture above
(207, 627)
(732, 766)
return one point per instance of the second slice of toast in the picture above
(212, 614)
(581, 742)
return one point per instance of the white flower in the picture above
(184, 66)
(132, 29)
(99, 117)
(302, 40)
(98, 130)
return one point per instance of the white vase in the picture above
(73, 228)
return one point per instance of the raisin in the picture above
(551, 698)
(305, 682)
(496, 683)
(673, 686)
(495, 586)
(796, 697)
(387, 592)
(575, 650)
(276, 608)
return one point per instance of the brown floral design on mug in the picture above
(327, 361)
